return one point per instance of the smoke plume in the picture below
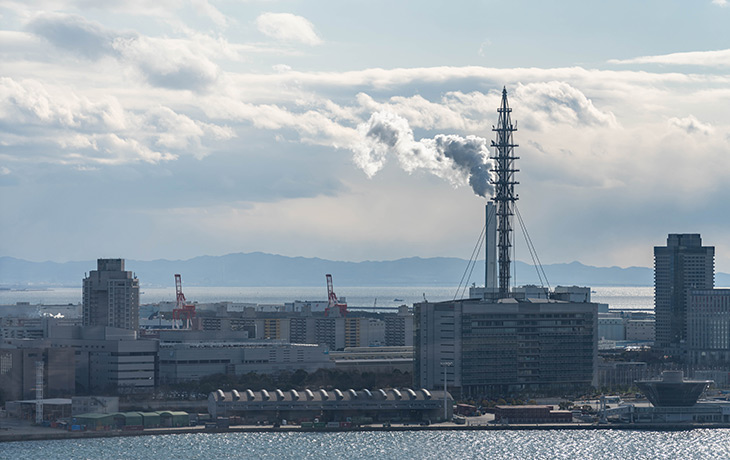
(460, 160)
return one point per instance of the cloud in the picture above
(288, 27)
(95, 130)
(74, 33)
(719, 58)
(722, 3)
(162, 62)
(691, 125)
(168, 63)
(557, 102)
(459, 160)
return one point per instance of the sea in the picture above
(531, 444)
(357, 297)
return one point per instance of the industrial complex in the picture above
(498, 342)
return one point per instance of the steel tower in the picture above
(504, 190)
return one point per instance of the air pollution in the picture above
(460, 160)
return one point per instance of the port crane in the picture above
(183, 312)
(333, 301)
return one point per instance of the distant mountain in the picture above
(259, 269)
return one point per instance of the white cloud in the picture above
(97, 131)
(719, 58)
(722, 3)
(168, 63)
(163, 62)
(691, 125)
(558, 102)
(288, 27)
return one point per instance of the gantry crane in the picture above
(333, 301)
(183, 312)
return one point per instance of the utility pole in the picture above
(445, 365)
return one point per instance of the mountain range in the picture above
(260, 269)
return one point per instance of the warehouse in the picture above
(331, 405)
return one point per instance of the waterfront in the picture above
(537, 444)
(640, 298)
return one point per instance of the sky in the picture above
(360, 130)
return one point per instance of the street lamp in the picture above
(445, 365)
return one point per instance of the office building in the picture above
(708, 327)
(111, 296)
(683, 264)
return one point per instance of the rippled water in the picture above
(599, 444)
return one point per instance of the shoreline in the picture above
(40, 434)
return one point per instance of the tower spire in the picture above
(504, 195)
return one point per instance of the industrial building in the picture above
(18, 371)
(180, 362)
(509, 345)
(503, 338)
(111, 296)
(383, 405)
(105, 358)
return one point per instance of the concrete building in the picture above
(611, 326)
(683, 264)
(111, 296)
(18, 371)
(15, 327)
(94, 405)
(708, 326)
(504, 346)
(357, 329)
(105, 359)
(399, 328)
(180, 362)
(640, 330)
(373, 359)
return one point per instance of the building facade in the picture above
(111, 296)
(683, 264)
(180, 362)
(708, 327)
(18, 372)
(488, 348)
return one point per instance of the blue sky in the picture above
(349, 130)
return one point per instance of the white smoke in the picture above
(460, 160)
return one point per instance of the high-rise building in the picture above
(111, 296)
(680, 266)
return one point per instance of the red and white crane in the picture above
(183, 312)
(334, 302)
